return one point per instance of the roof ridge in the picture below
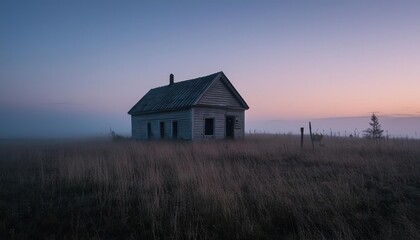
(183, 81)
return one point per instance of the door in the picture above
(230, 127)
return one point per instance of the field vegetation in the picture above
(263, 187)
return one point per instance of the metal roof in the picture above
(179, 95)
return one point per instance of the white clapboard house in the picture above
(202, 108)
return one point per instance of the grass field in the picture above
(263, 187)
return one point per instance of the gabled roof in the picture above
(181, 95)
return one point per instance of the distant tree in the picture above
(375, 131)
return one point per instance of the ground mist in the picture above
(263, 187)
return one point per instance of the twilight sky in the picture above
(81, 65)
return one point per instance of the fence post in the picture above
(310, 134)
(301, 137)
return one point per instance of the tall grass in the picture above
(263, 187)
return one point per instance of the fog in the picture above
(70, 123)
(393, 126)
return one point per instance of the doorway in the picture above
(230, 127)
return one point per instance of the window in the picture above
(209, 126)
(162, 129)
(174, 130)
(149, 130)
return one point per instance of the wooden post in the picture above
(310, 134)
(301, 137)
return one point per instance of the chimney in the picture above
(171, 79)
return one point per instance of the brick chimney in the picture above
(171, 79)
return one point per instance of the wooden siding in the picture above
(219, 115)
(139, 124)
(219, 95)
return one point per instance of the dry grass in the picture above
(264, 187)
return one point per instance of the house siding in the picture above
(219, 115)
(139, 124)
(190, 103)
(219, 95)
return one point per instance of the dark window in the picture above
(209, 126)
(162, 129)
(149, 130)
(174, 130)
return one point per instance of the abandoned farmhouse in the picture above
(200, 108)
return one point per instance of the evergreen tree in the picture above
(375, 131)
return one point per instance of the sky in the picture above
(77, 67)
